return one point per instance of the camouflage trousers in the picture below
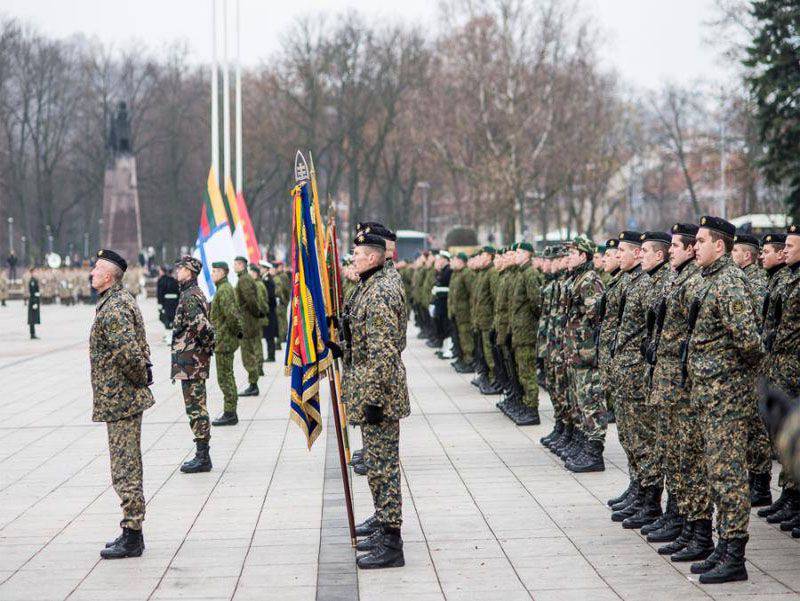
(194, 398)
(125, 451)
(486, 343)
(627, 385)
(759, 449)
(725, 453)
(465, 340)
(787, 442)
(382, 460)
(587, 394)
(782, 370)
(253, 357)
(691, 480)
(525, 357)
(558, 393)
(226, 380)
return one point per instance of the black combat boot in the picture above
(558, 427)
(528, 416)
(789, 509)
(731, 568)
(670, 530)
(591, 460)
(130, 544)
(563, 440)
(659, 523)
(489, 388)
(701, 545)
(760, 493)
(792, 523)
(574, 447)
(632, 509)
(360, 468)
(712, 560)
(649, 511)
(228, 418)
(388, 553)
(371, 542)
(796, 532)
(368, 526)
(679, 543)
(357, 456)
(201, 461)
(776, 506)
(119, 539)
(621, 497)
(631, 498)
(251, 390)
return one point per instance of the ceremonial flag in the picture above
(307, 355)
(244, 237)
(214, 242)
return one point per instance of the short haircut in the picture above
(686, 240)
(752, 251)
(661, 247)
(727, 240)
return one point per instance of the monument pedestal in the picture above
(122, 223)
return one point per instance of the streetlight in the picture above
(425, 186)
(86, 245)
(24, 241)
(49, 239)
(11, 235)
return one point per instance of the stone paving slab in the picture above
(488, 513)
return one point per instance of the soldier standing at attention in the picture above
(227, 333)
(252, 314)
(192, 347)
(724, 349)
(121, 377)
(34, 300)
(374, 386)
(746, 249)
(525, 306)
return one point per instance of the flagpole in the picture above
(214, 91)
(239, 166)
(226, 98)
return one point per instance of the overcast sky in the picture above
(647, 41)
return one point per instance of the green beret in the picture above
(525, 246)
(220, 265)
(489, 249)
(242, 259)
(463, 256)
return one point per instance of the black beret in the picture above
(242, 259)
(778, 238)
(112, 257)
(631, 236)
(373, 227)
(746, 239)
(612, 243)
(220, 265)
(656, 237)
(687, 230)
(718, 224)
(367, 239)
(793, 230)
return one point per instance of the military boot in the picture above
(679, 543)
(796, 532)
(357, 456)
(789, 509)
(228, 418)
(731, 567)
(251, 390)
(371, 542)
(671, 512)
(701, 545)
(777, 505)
(792, 523)
(558, 427)
(712, 560)
(528, 416)
(575, 447)
(760, 493)
(563, 440)
(670, 530)
(360, 468)
(591, 460)
(368, 526)
(631, 498)
(632, 509)
(130, 544)
(388, 554)
(649, 512)
(201, 461)
(490, 388)
(621, 497)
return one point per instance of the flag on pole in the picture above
(244, 237)
(214, 241)
(307, 355)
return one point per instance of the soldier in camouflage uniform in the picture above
(374, 386)
(609, 318)
(781, 366)
(121, 377)
(502, 336)
(483, 315)
(759, 452)
(542, 356)
(192, 347)
(252, 311)
(458, 304)
(227, 322)
(525, 305)
(724, 347)
(582, 322)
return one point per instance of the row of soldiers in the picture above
(669, 332)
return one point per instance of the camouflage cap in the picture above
(582, 244)
(190, 263)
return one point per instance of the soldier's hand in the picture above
(774, 406)
(149, 374)
(335, 349)
(373, 414)
(240, 335)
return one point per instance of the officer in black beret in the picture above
(746, 250)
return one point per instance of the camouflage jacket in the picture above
(458, 300)
(428, 282)
(632, 329)
(502, 291)
(542, 329)
(225, 318)
(416, 285)
(119, 357)
(582, 319)
(725, 342)
(786, 328)
(249, 306)
(757, 277)
(525, 306)
(375, 374)
(609, 315)
(395, 278)
(684, 285)
(556, 349)
(263, 302)
(483, 299)
(770, 309)
(192, 335)
(660, 279)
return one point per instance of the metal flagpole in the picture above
(239, 159)
(226, 99)
(214, 92)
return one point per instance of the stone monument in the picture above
(122, 223)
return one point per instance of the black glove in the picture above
(149, 374)
(240, 335)
(540, 363)
(373, 414)
(336, 350)
(774, 406)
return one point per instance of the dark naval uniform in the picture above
(34, 316)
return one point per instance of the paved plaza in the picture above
(489, 513)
